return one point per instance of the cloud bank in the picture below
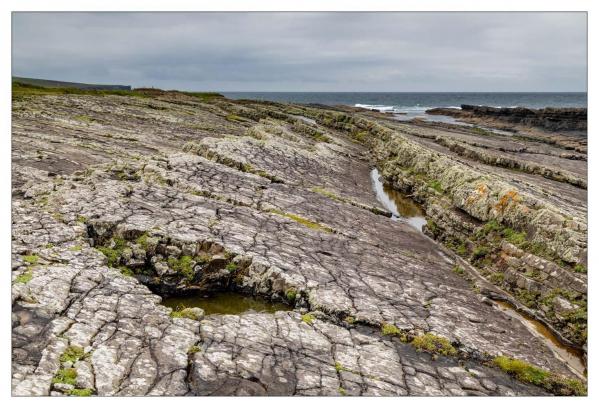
(384, 52)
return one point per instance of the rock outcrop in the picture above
(552, 119)
(119, 200)
(481, 191)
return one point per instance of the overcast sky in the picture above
(306, 51)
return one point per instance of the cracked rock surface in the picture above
(289, 202)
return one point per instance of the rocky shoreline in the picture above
(550, 119)
(121, 199)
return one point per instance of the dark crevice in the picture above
(187, 272)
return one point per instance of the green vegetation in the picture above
(113, 253)
(327, 193)
(579, 268)
(320, 137)
(142, 240)
(480, 252)
(125, 270)
(517, 238)
(435, 185)
(462, 249)
(529, 298)
(339, 367)
(20, 89)
(49, 245)
(521, 370)
(183, 265)
(246, 168)
(360, 136)
(291, 294)
(433, 227)
(304, 221)
(76, 248)
(204, 258)
(497, 278)
(65, 376)
(308, 318)
(575, 319)
(193, 349)
(342, 391)
(232, 267)
(81, 219)
(390, 330)
(31, 259)
(513, 237)
(184, 313)
(350, 320)
(530, 374)
(24, 278)
(234, 118)
(80, 392)
(491, 226)
(72, 354)
(146, 242)
(83, 118)
(204, 96)
(458, 270)
(434, 344)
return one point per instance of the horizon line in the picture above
(387, 92)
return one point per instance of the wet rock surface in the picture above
(265, 199)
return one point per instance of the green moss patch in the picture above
(528, 373)
(72, 354)
(390, 330)
(65, 376)
(436, 185)
(291, 294)
(308, 318)
(193, 350)
(31, 259)
(434, 344)
(304, 221)
(24, 278)
(234, 118)
(184, 313)
(80, 392)
(232, 267)
(183, 265)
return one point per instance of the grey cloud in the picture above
(307, 51)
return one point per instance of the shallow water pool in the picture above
(225, 303)
(400, 206)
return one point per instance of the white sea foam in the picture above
(394, 109)
(380, 108)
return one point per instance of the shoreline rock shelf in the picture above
(118, 199)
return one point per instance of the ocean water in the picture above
(413, 104)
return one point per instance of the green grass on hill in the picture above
(22, 89)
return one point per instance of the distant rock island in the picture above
(553, 119)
